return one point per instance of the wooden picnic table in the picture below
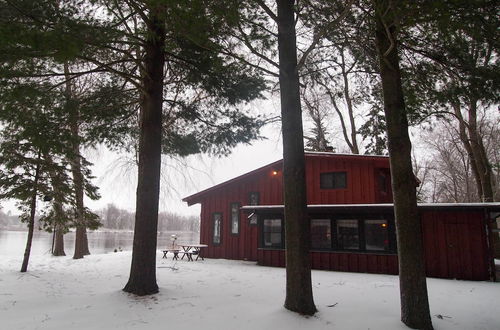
(190, 249)
(174, 251)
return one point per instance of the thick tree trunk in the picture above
(142, 279)
(59, 244)
(58, 249)
(81, 247)
(299, 296)
(413, 289)
(31, 222)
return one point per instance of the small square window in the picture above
(333, 180)
(253, 198)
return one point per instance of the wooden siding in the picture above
(455, 245)
(242, 246)
(337, 261)
(361, 188)
(361, 180)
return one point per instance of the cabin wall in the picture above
(244, 245)
(361, 188)
(362, 184)
(337, 261)
(455, 245)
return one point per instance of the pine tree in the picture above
(413, 289)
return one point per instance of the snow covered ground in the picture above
(62, 293)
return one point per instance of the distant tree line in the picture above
(113, 217)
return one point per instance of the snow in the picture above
(62, 293)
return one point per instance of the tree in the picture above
(299, 296)
(414, 300)
(341, 74)
(455, 63)
(24, 148)
(198, 93)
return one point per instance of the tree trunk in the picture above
(472, 141)
(299, 296)
(31, 221)
(413, 289)
(59, 244)
(142, 280)
(81, 244)
(85, 242)
(59, 218)
(58, 249)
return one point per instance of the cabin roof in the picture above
(195, 198)
(318, 208)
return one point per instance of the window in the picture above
(347, 234)
(321, 234)
(216, 238)
(272, 233)
(235, 218)
(382, 182)
(253, 199)
(333, 180)
(376, 235)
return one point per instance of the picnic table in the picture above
(174, 250)
(189, 250)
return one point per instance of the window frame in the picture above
(332, 237)
(334, 174)
(220, 228)
(282, 231)
(238, 217)
(391, 233)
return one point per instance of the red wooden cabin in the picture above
(352, 221)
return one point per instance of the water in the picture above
(13, 243)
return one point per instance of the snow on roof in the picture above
(488, 206)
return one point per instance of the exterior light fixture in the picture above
(274, 172)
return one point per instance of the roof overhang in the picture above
(388, 207)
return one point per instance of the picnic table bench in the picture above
(187, 250)
(174, 251)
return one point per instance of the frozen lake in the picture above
(13, 243)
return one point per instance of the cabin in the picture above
(352, 220)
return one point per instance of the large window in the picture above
(272, 233)
(321, 234)
(348, 234)
(235, 218)
(376, 235)
(333, 180)
(217, 222)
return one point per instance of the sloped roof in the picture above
(195, 198)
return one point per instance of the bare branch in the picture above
(322, 32)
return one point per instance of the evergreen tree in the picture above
(413, 289)
(24, 148)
